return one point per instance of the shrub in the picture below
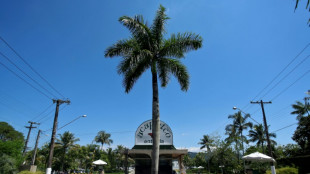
(285, 170)
(28, 172)
(8, 165)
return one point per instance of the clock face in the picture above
(144, 134)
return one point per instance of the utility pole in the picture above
(33, 168)
(52, 143)
(273, 170)
(29, 127)
(265, 123)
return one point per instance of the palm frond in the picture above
(179, 44)
(158, 27)
(138, 29)
(121, 48)
(176, 68)
(133, 73)
(131, 61)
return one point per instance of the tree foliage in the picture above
(258, 135)
(103, 138)
(8, 133)
(11, 146)
(302, 134)
(300, 109)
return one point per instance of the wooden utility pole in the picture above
(29, 127)
(126, 160)
(265, 124)
(33, 168)
(52, 143)
(35, 148)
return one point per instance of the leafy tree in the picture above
(148, 49)
(11, 144)
(8, 133)
(188, 161)
(103, 138)
(224, 156)
(302, 134)
(300, 109)
(120, 156)
(65, 142)
(258, 135)
(8, 164)
(200, 159)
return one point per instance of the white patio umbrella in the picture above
(99, 162)
(259, 157)
(200, 167)
(256, 156)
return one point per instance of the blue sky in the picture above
(245, 45)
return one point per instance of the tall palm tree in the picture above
(148, 49)
(206, 142)
(65, 142)
(258, 135)
(300, 109)
(103, 138)
(239, 124)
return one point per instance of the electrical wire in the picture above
(42, 112)
(51, 117)
(285, 76)
(284, 127)
(19, 56)
(290, 85)
(282, 71)
(26, 81)
(36, 82)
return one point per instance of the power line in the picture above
(282, 71)
(19, 56)
(284, 127)
(290, 85)
(36, 82)
(42, 112)
(286, 76)
(25, 81)
(46, 115)
(52, 117)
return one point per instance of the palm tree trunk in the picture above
(63, 160)
(263, 147)
(155, 123)
(242, 144)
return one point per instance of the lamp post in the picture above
(72, 121)
(235, 108)
(50, 158)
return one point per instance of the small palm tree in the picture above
(103, 138)
(258, 135)
(148, 49)
(65, 142)
(206, 142)
(300, 109)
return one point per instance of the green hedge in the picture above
(28, 172)
(285, 170)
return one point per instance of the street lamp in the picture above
(50, 158)
(72, 121)
(235, 108)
